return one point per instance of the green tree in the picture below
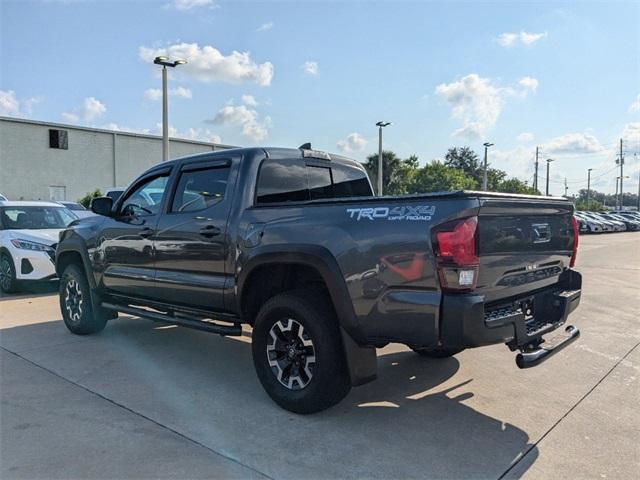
(437, 176)
(397, 173)
(513, 185)
(594, 205)
(465, 159)
(86, 200)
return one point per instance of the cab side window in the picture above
(200, 189)
(146, 199)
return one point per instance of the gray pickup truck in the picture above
(293, 243)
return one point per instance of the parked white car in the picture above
(28, 238)
(77, 209)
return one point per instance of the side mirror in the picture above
(102, 206)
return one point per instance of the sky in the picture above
(561, 76)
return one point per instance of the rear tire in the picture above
(8, 282)
(298, 354)
(438, 352)
(76, 305)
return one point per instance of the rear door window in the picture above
(282, 181)
(200, 189)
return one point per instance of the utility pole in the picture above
(535, 177)
(565, 187)
(621, 177)
(380, 126)
(484, 175)
(589, 189)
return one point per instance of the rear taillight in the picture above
(574, 254)
(455, 247)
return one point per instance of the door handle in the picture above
(146, 232)
(209, 231)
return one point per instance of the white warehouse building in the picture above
(50, 161)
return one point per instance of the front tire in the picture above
(298, 354)
(75, 303)
(8, 282)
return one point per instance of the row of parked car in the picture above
(606, 222)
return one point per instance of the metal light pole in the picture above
(619, 180)
(164, 61)
(549, 160)
(380, 126)
(484, 175)
(589, 189)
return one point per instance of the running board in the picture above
(182, 320)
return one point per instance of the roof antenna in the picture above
(305, 146)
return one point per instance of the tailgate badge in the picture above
(541, 233)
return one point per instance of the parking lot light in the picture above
(549, 160)
(166, 62)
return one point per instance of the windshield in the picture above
(35, 218)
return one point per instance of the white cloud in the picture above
(208, 64)
(249, 100)
(635, 106)
(525, 137)
(509, 39)
(156, 93)
(631, 133)
(265, 27)
(310, 68)
(91, 109)
(478, 102)
(528, 84)
(11, 106)
(573, 143)
(354, 142)
(200, 134)
(185, 5)
(517, 162)
(245, 117)
(121, 128)
(9, 103)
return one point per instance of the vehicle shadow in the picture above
(35, 289)
(412, 422)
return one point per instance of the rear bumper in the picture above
(521, 323)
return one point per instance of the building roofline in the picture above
(116, 132)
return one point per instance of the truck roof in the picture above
(251, 153)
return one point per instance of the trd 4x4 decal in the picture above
(409, 212)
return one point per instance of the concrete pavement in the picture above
(143, 400)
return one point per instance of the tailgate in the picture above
(524, 245)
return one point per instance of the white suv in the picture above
(28, 238)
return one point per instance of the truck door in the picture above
(125, 246)
(191, 240)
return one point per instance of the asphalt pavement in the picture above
(142, 400)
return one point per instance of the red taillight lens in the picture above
(456, 255)
(574, 254)
(459, 245)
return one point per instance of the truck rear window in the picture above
(282, 181)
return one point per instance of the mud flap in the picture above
(362, 362)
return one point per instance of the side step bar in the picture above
(182, 320)
(545, 351)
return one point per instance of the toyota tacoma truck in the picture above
(293, 243)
